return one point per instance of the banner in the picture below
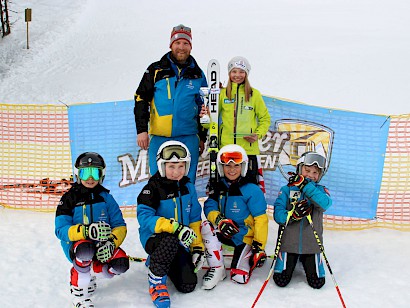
(353, 143)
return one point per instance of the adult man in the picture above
(168, 99)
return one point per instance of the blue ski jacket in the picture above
(298, 236)
(162, 199)
(168, 97)
(82, 206)
(244, 203)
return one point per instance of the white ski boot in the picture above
(82, 297)
(85, 303)
(212, 277)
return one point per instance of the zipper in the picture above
(168, 89)
(235, 105)
(175, 208)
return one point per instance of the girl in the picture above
(237, 209)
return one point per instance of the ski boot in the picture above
(158, 291)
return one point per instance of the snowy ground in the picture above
(345, 54)
(371, 269)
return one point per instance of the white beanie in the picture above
(239, 62)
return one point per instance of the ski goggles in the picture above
(181, 28)
(310, 159)
(173, 150)
(235, 157)
(94, 172)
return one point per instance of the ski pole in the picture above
(136, 259)
(322, 249)
(278, 243)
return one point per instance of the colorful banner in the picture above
(354, 144)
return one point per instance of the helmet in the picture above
(235, 153)
(172, 152)
(309, 159)
(89, 159)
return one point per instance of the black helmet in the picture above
(89, 159)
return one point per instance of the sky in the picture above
(343, 54)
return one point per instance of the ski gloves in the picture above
(226, 226)
(258, 255)
(101, 231)
(297, 180)
(198, 258)
(105, 250)
(185, 234)
(97, 231)
(301, 209)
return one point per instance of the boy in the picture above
(169, 215)
(238, 210)
(91, 228)
(303, 196)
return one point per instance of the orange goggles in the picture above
(235, 157)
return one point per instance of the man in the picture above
(168, 98)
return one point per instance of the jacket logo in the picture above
(146, 192)
(294, 194)
(190, 85)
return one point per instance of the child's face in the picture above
(232, 171)
(237, 75)
(175, 171)
(90, 182)
(311, 172)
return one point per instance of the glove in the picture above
(185, 234)
(198, 258)
(105, 250)
(297, 180)
(302, 209)
(258, 255)
(226, 226)
(98, 231)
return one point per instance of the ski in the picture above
(213, 101)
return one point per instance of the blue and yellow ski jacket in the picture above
(162, 199)
(82, 206)
(298, 236)
(168, 97)
(244, 203)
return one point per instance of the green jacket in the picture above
(239, 118)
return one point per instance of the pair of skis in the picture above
(211, 100)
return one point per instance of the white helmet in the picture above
(234, 153)
(172, 152)
(309, 159)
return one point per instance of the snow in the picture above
(344, 54)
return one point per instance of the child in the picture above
(91, 228)
(304, 196)
(238, 210)
(244, 116)
(169, 215)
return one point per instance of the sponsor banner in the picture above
(353, 143)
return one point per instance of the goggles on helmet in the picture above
(173, 150)
(235, 157)
(181, 28)
(85, 173)
(310, 159)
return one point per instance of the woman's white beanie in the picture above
(239, 62)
